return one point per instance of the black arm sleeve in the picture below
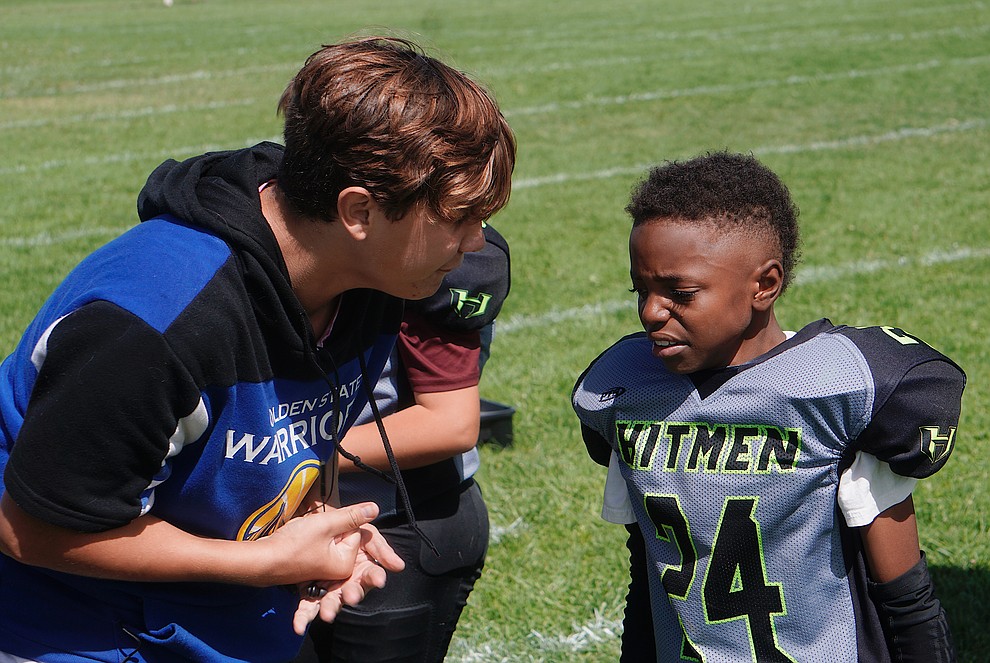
(638, 644)
(598, 447)
(914, 622)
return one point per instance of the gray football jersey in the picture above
(733, 475)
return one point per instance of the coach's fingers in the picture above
(377, 548)
(353, 516)
(307, 610)
(366, 578)
(331, 604)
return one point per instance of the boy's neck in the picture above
(766, 334)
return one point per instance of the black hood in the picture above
(218, 192)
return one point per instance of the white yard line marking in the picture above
(712, 90)
(833, 37)
(201, 75)
(114, 116)
(599, 628)
(158, 81)
(518, 184)
(28, 71)
(512, 530)
(954, 126)
(126, 157)
(49, 239)
(804, 276)
(97, 160)
(586, 34)
(520, 322)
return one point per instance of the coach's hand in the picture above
(356, 558)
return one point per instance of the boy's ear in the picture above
(769, 282)
(355, 209)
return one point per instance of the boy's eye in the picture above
(682, 295)
(639, 292)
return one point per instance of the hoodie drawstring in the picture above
(396, 476)
(396, 473)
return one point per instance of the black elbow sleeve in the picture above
(913, 620)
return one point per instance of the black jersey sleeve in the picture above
(597, 446)
(914, 429)
(97, 427)
(917, 401)
(638, 639)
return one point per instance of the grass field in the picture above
(876, 113)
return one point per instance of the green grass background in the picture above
(876, 114)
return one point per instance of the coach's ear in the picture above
(769, 283)
(356, 210)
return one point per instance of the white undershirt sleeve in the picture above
(616, 505)
(869, 487)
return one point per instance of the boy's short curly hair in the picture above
(726, 190)
(377, 112)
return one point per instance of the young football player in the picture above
(182, 393)
(769, 473)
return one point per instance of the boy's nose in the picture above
(655, 311)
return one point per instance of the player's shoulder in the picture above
(620, 351)
(917, 398)
(890, 349)
(627, 356)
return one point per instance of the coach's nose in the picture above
(474, 240)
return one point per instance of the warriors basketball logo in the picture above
(273, 515)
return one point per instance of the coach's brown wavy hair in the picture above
(378, 112)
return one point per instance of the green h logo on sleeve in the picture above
(468, 306)
(937, 443)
